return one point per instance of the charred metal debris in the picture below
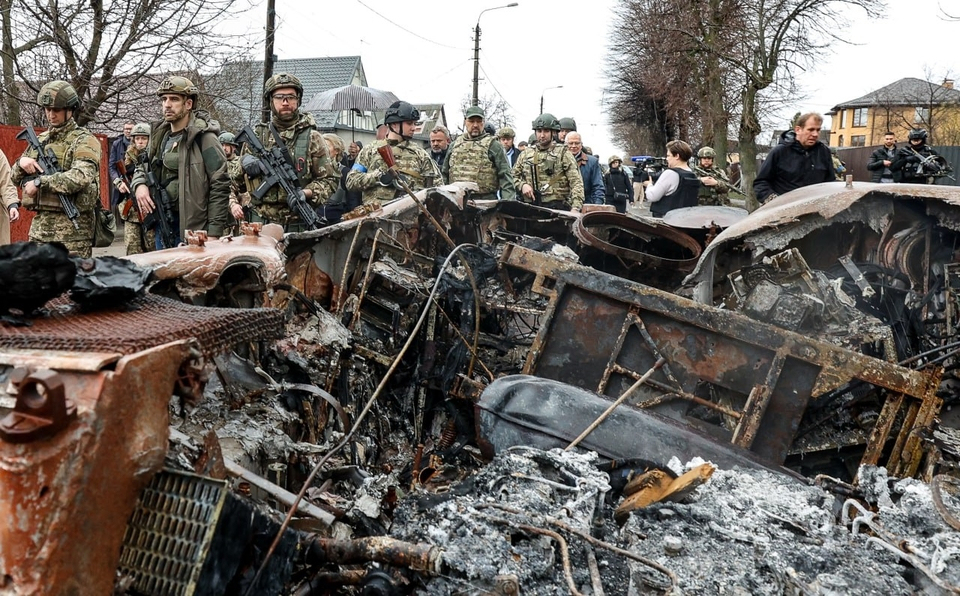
(452, 397)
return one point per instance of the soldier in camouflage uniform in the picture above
(186, 158)
(318, 174)
(78, 155)
(239, 198)
(546, 173)
(370, 174)
(135, 237)
(714, 184)
(477, 156)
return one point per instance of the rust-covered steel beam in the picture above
(606, 325)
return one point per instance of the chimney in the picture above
(948, 83)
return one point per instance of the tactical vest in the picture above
(61, 148)
(709, 195)
(470, 162)
(299, 150)
(553, 180)
(169, 169)
(684, 196)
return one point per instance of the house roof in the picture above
(905, 92)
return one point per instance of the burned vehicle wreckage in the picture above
(457, 397)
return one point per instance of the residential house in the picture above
(899, 107)
(238, 94)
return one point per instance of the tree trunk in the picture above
(747, 138)
(12, 105)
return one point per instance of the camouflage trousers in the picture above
(54, 226)
(137, 239)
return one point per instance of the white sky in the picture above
(422, 50)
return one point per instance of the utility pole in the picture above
(268, 56)
(475, 100)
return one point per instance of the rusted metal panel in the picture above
(579, 342)
(66, 499)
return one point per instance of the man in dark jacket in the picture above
(617, 187)
(792, 165)
(882, 158)
(118, 151)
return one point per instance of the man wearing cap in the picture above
(714, 184)
(371, 176)
(506, 136)
(476, 156)
(618, 190)
(317, 174)
(185, 156)
(78, 155)
(546, 173)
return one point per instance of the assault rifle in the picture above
(48, 161)
(933, 166)
(535, 183)
(705, 174)
(276, 166)
(121, 167)
(162, 215)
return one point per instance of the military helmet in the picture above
(506, 133)
(401, 111)
(917, 134)
(706, 152)
(614, 158)
(532, 139)
(58, 95)
(141, 129)
(568, 124)
(228, 138)
(546, 120)
(281, 80)
(177, 85)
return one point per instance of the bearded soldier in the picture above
(318, 175)
(186, 158)
(478, 157)
(714, 184)
(78, 155)
(546, 173)
(370, 174)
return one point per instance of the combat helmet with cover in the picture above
(228, 138)
(280, 81)
(706, 152)
(58, 95)
(401, 111)
(506, 133)
(546, 120)
(141, 129)
(568, 124)
(918, 134)
(177, 85)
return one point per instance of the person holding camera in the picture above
(917, 162)
(618, 189)
(677, 186)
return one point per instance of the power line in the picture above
(487, 78)
(401, 27)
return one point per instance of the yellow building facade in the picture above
(899, 107)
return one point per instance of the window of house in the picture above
(921, 114)
(858, 140)
(860, 117)
(840, 141)
(843, 118)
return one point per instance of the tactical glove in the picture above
(388, 178)
(252, 167)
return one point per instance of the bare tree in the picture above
(710, 51)
(105, 48)
(496, 110)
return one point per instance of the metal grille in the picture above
(170, 532)
(149, 321)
